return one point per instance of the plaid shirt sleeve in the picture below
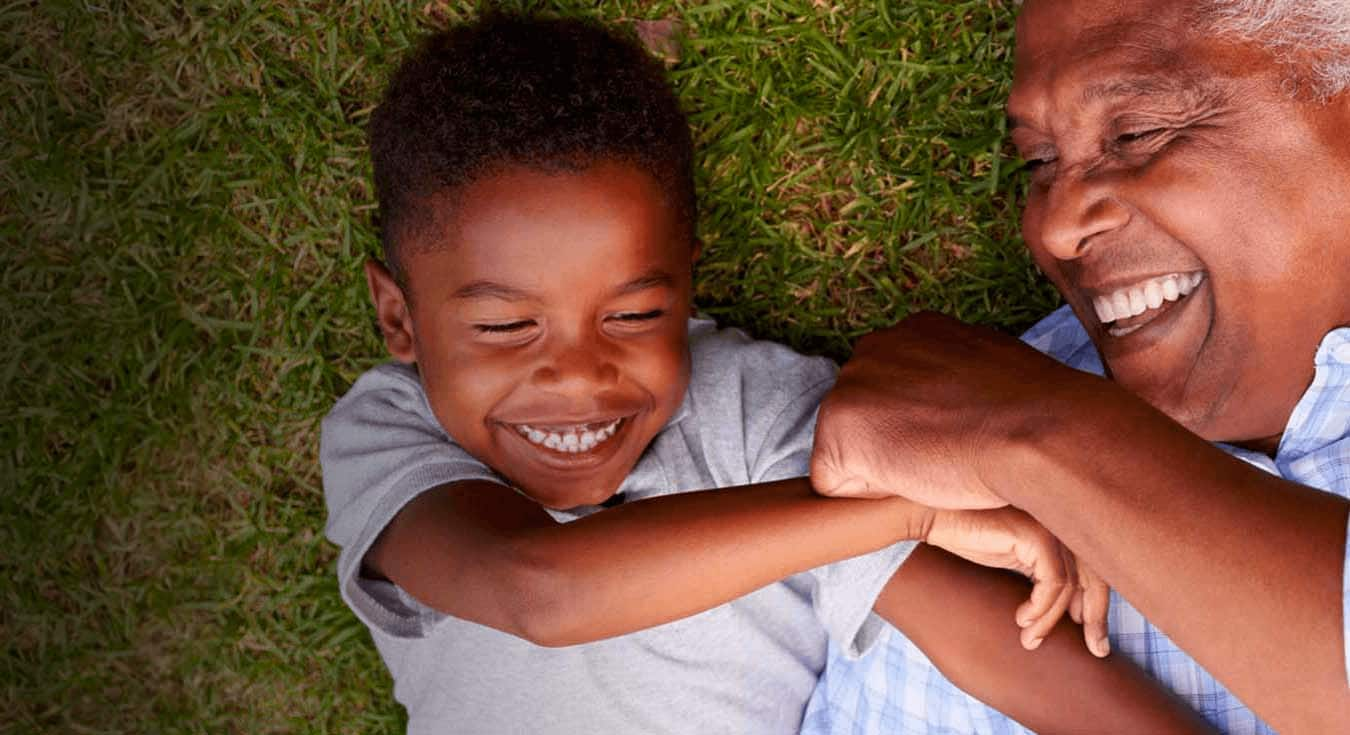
(895, 689)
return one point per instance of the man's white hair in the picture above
(1313, 36)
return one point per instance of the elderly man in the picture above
(1190, 198)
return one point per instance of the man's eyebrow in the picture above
(489, 290)
(1193, 91)
(651, 279)
(1141, 86)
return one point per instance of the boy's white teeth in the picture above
(1139, 298)
(571, 439)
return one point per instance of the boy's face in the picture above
(547, 318)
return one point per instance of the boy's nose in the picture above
(579, 365)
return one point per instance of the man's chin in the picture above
(1200, 414)
(1168, 395)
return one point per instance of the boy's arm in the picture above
(482, 552)
(958, 614)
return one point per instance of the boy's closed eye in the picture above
(504, 327)
(632, 317)
(517, 329)
(636, 320)
(639, 316)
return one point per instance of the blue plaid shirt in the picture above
(894, 689)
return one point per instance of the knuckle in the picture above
(825, 466)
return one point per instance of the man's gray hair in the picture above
(1313, 36)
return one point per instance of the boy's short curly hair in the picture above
(548, 93)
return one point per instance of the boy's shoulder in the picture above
(753, 404)
(727, 360)
(391, 389)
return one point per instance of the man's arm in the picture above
(1241, 569)
(481, 552)
(957, 613)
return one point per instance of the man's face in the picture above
(549, 328)
(1193, 213)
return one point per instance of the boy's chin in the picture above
(577, 494)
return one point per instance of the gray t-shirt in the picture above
(748, 666)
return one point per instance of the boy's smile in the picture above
(572, 438)
(546, 312)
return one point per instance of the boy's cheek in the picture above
(462, 400)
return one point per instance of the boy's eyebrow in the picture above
(489, 290)
(651, 279)
(483, 289)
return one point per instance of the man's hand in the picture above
(1007, 538)
(926, 408)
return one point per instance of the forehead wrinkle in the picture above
(1150, 62)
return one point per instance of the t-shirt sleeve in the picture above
(381, 447)
(779, 444)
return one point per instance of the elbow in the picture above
(540, 600)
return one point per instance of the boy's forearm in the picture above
(961, 616)
(626, 568)
(661, 559)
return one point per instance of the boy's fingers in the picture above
(1049, 597)
(1045, 568)
(1032, 635)
(1041, 602)
(1075, 602)
(1096, 604)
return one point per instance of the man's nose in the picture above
(1079, 206)
(578, 363)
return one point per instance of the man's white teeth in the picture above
(1139, 298)
(570, 439)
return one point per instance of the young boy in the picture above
(513, 497)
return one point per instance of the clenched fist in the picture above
(937, 411)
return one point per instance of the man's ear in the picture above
(391, 311)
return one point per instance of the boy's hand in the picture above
(1010, 539)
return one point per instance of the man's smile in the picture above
(1124, 310)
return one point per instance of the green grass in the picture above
(185, 203)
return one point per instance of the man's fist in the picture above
(933, 410)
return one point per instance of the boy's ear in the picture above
(391, 311)
(694, 252)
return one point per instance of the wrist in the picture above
(914, 520)
(1054, 443)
